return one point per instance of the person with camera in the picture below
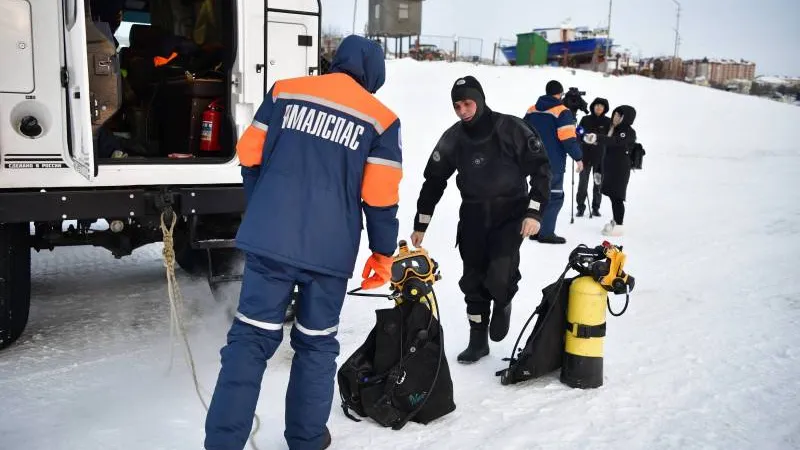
(494, 155)
(597, 123)
(555, 123)
(618, 142)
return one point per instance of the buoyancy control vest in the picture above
(400, 372)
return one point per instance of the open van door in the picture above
(279, 41)
(75, 80)
(287, 52)
(293, 39)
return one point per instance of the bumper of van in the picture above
(52, 205)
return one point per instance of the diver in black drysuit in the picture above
(494, 155)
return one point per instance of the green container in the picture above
(531, 49)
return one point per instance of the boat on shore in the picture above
(575, 42)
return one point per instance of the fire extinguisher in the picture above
(209, 129)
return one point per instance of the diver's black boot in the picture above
(501, 319)
(552, 239)
(478, 341)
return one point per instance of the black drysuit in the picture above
(494, 159)
(592, 154)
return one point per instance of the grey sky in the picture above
(764, 31)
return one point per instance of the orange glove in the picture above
(382, 266)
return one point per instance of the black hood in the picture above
(481, 124)
(628, 114)
(601, 101)
(470, 88)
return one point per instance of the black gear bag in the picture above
(544, 349)
(637, 156)
(400, 373)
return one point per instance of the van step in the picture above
(216, 279)
(214, 243)
(225, 273)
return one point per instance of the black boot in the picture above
(552, 239)
(579, 213)
(478, 341)
(596, 212)
(501, 319)
(326, 440)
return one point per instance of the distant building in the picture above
(395, 18)
(719, 71)
(662, 68)
(697, 70)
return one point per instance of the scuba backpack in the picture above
(544, 350)
(400, 372)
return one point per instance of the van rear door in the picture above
(280, 39)
(75, 79)
(292, 39)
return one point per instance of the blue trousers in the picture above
(553, 207)
(256, 333)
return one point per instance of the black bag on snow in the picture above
(544, 349)
(400, 372)
(637, 156)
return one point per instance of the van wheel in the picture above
(191, 260)
(15, 281)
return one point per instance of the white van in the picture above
(102, 131)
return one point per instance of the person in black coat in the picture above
(616, 163)
(597, 123)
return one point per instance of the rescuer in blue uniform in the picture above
(320, 152)
(556, 126)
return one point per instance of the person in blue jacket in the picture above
(320, 151)
(556, 126)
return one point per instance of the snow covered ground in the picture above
(705, 357)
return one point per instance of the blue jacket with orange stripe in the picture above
(556, 126)
(320, 151)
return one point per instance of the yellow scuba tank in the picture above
(602, 272)
(586, 326)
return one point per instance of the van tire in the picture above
(192, 261)
(15, 281)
